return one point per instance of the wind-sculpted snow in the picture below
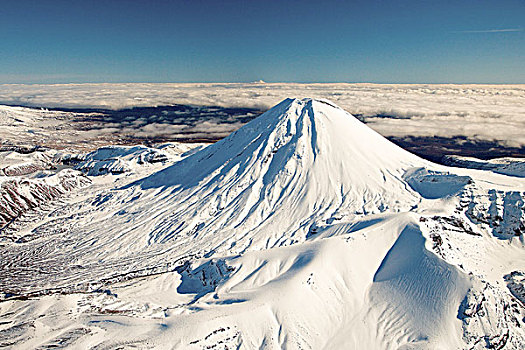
(303, 229)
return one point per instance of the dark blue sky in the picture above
(277, 41)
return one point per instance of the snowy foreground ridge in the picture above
(304, 229)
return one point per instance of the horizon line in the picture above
(268, 83)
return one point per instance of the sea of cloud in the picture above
(479, 112)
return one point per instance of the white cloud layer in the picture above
(480, 112)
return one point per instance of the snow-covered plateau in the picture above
(304, 229)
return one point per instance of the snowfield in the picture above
(121, 159)
(304, 229)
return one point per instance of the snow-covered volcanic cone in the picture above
(303, 229)
(301, 164)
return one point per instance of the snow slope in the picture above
(17, 164)
(303, 229)
(122, 159)
(18, 195)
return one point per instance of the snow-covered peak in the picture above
(303, 163)
(306, 132)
